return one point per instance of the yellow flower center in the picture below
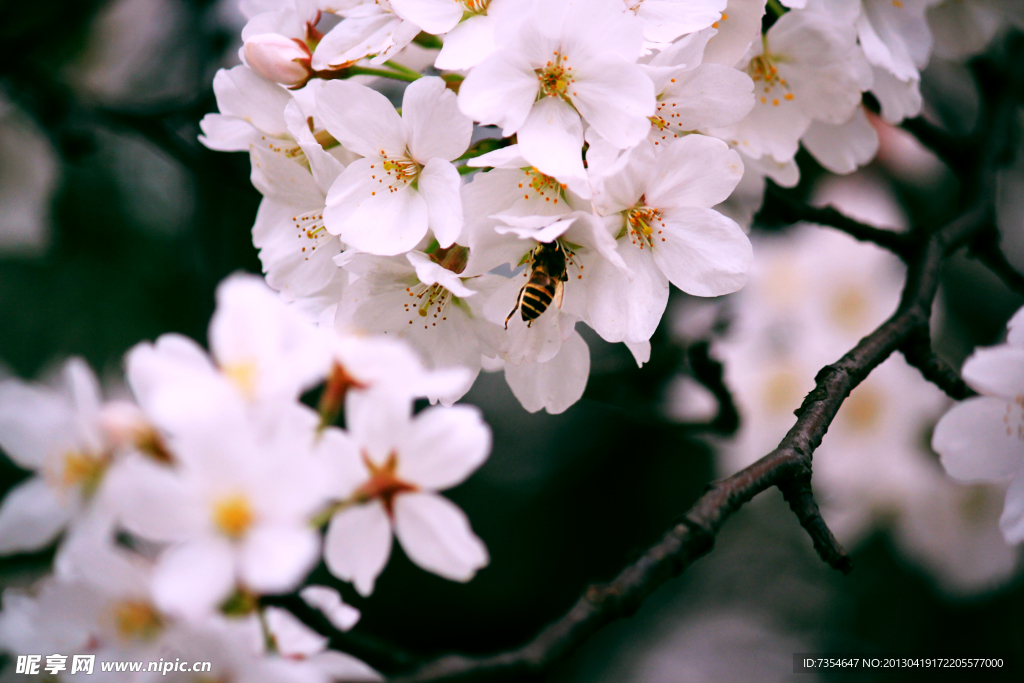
(243, 375)
(233, 516)
(83, 470)
(644, 225)
(769, 85)
(543, 185)
(136, 620)
(556, 77)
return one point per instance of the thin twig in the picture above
(985, 248)
(918, 352)
(792, 211)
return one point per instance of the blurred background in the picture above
(116, 225)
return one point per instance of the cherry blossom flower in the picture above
(658, 209)
(806, 67)
(369, 28)
(980, 438)
(563, 64)
(295, 248)
(389, 467)
(666, 20)
(57, 434)
(251, 108)
(429, 301)
(473, 39)
(263, 356)
(235, 505)
(405, 182)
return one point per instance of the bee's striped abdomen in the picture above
(536, 299)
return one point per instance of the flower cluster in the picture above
(181, 509)
(600, 135)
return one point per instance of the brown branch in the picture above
(800, 497)
(985, 248)
(793, 211)
(787, 467)
(918, 352)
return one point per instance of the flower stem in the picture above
(776, 7)
(402, 69)
(383, 73)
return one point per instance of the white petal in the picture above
(641, 352)
(696, 170)
(466, 45)
(997, 371)
(1015, 329)
(431, 115)
(551, 138)
(624, 309)
(274, 559)
(430, 272)
(152, 501)
(357, 37)
(709, 96)
(298, 261)
(704, 253)
(292, 637)
(499, 91)
(436, 535)
(898, 99)
(191, 580)
(35, 423)
(439, 184)
(843, 148)
(433, 16)
(226, 133)
(341, 615)
(358, 544)
(973, 443)
(443, 447)
(556, 384)
(1011, 523)
(150, 366)
(361, 119)
(31, 516)
(245, 95)
(615, 98)
(385, 223)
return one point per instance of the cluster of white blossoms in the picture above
(180, 509)
(610, 146)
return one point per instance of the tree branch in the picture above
(792, 211)
(918, 352)
(985, 248)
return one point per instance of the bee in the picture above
(545, 284)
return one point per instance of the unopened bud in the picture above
(278, 58)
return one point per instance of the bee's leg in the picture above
(515, 308)
(559, 290)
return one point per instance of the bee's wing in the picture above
(559, 290)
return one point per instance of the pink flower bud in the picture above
(278, 58)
